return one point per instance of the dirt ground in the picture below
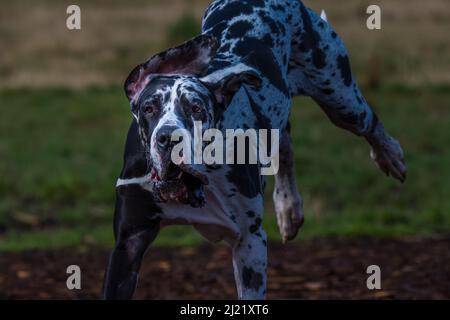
(316, 269)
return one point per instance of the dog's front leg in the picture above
(250, 263)
(125, 261)
(134, 233)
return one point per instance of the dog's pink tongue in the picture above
(154, 175)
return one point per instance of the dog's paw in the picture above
(388, 156)
(289, 210)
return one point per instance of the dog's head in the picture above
(171, 91)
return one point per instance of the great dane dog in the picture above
(252, 57)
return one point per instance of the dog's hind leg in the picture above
(287, 201)
(319, 67)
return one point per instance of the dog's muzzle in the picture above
(181, 182)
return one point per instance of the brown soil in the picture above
(319, 269)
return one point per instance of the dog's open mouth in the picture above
(180, 183)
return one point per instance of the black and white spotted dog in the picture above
(252, 57)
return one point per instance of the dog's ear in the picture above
(225, 83)
(189, 58)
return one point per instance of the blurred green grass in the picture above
(61, 151)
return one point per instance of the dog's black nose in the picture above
(163, 138)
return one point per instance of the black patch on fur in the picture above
(239, 29)
(271, 23)
(246, 179)
(310, 39)
(255, 3)
(327, 91)
(350, 119)
(374, 123)
(262, 122)
(343, 65)
(255, 227)
(139, 199)
(268, 40)
(218, 28)
(277, 7)
(251, 279)
(218, 63)
(259, 56)
(319, 59)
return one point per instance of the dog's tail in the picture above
(319, 67)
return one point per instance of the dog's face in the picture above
(167, 104)
(170, 92)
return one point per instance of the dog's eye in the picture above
(149, 108)
(196, 108)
